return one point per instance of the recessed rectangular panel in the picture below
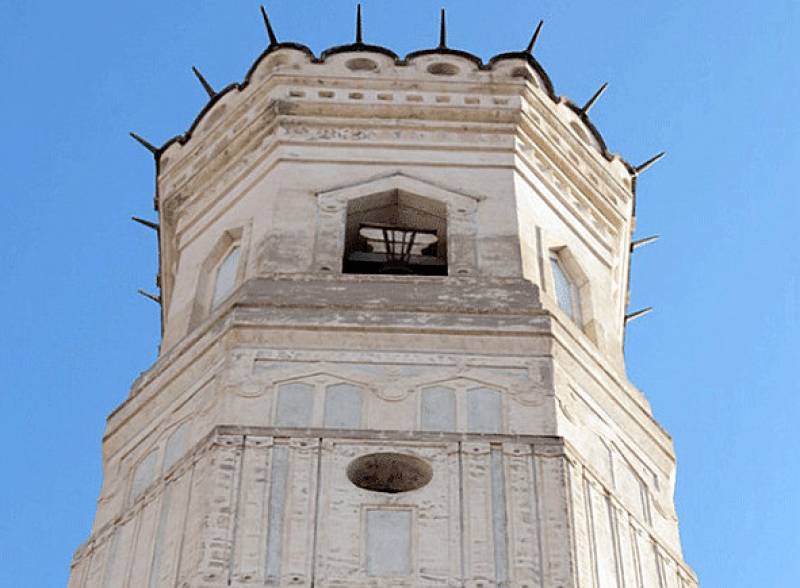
(277, 507)
(343, 406)
(388, 542)
(144, 474)
(295, 405)
(438, 412)
(483, 411)
(499, 517)
(176, 446)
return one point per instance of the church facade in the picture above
(394, 299)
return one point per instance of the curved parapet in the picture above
(437, 63)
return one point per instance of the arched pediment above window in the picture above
(336, 198)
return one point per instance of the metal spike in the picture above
(359, 26)
(588, 106)
(146, 223)
(443, 31)
(206, 86)
(646, 241)
(535, 37)
(638, 314)
(152, 297)
(647, 164)
(273, 40)
(146, 144)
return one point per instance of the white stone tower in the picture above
(393, 298)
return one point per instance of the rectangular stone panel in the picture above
(438, 410)
(388, 542)
(523, 518)
(343, 406)
(295, 405)
(143, 549)
(484, 414)
(251, 528)
(603, 540)
(277, 507)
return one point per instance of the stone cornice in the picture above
(295, 297)
(460, 65)
(293, 113)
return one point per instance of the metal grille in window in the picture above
(397, 250)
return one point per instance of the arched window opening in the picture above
(225, 280)
(396, 233)
(567, 291)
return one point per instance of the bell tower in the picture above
(394, 298)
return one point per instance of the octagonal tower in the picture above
(393, 298)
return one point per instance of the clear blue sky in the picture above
(714, 83)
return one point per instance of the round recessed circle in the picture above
(389, 472)
(361, 64)
(443, 69)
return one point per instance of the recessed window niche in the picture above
(226, 276)
(567, 291)
(396, 233)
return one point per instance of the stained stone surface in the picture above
(389, 473)
(227, 465)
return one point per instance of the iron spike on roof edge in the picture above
(646, 241)
(649, 163)
(638, 314)
(146, 223)
(591, 102)
(359, 26)
(273, 40)
(534, 38)
(153, 297)
(145, 143)
(443, 30)
(204, 82)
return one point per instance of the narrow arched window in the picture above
(567, 294)
(225, 280)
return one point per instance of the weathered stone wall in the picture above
(260, 506)
(274, 165)
(227, 465)
(404, 358)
